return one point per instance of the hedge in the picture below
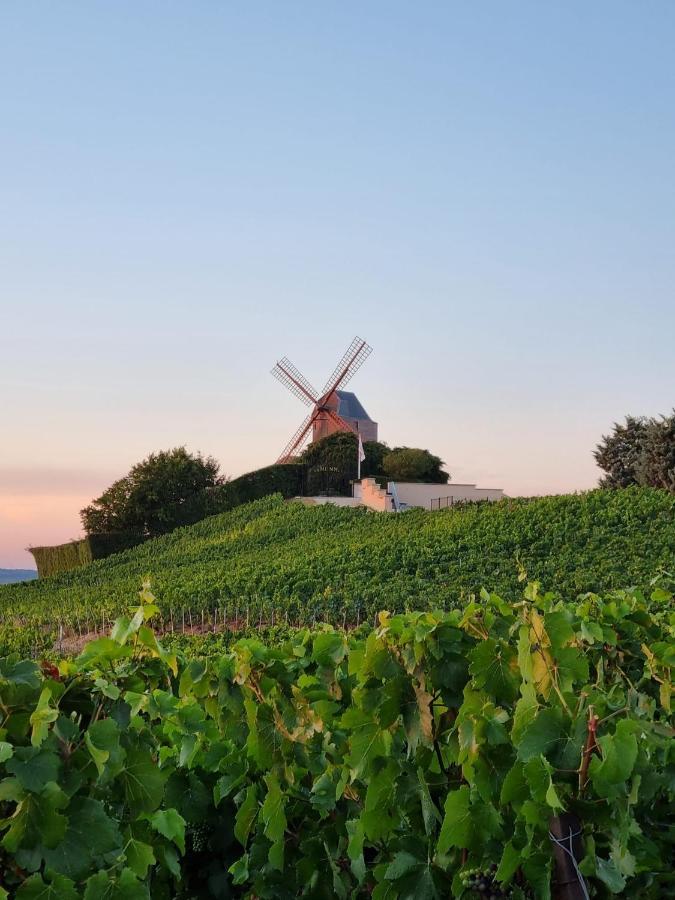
(287, 480)
(63, 557)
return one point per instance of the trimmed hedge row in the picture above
(286, 480)
(63, 557)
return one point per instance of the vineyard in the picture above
(518, 746)
(272, 562)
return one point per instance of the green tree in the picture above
(618, 454)
(332, 463)
(166, 490)
(641, 451)
(414, 464)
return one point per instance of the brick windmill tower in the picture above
(333, 409)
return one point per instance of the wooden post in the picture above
(568, 883)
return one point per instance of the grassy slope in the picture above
(324, 560)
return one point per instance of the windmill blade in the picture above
(354, 357)
(292, 378)
(344, 426)
(298, 439)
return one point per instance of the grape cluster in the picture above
(199, 837)
(482, 882)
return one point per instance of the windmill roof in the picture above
(350, 406)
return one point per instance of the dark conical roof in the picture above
(350, 406)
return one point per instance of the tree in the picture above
(331, 464)
(619, 453)
(641, 451)
(414, 464)
(166, 490)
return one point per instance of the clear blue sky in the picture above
(486, 192)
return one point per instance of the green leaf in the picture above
(355, 848)
(246, 815)
(170, 824)
(329, 649)
(42, 717)
(140, 857)
(274, 819)
(430, 814)
(239, 870)
(508, 864)
(6, 751)
(543, 735)
(24, 671)
(608, 873)
(102, 739)
(538, 772)
(493, 668)
(91, 839)
(37, 820)
(401, 865)
(59, 888)
(34, 767)
(367, 740)
(107, 886)
(537, 869)
(619, 753)
(143, 781)
(456, 829)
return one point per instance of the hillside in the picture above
(271, 559)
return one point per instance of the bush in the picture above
(414, 464)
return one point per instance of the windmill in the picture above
(333, 409)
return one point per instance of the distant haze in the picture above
(9, 576)
(192, 191)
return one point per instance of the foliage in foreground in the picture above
(396, 765)
(271, 561)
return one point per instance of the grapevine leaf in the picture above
(537, 869)
(246, 815)
(239, 870)
(91, 839)
(106, 886)
(355, 848)
(329, 649)
(430, 814)
(538, 773)
(456, 828)
(140, 856)
(42, 717)
(25, 672)
(492, 667)
(59, 888)
(508, 864)
(37, 820)
(34, 767)
(608, 873)
(542, 735)
(274, 819)
(619, 753)
(6, 751)
(170, 824)
(143, 781)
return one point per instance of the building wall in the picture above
(375, 497)
(413, 494)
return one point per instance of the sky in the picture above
(189, 192)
